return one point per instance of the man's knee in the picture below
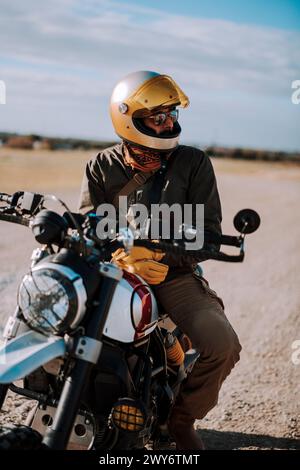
(225, 343)
(217, 340)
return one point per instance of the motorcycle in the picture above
(88, 340)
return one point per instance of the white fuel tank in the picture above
(131, 290)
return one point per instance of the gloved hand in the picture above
(143, 262)
(152, 271)
(137, 253)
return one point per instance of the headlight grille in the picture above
(127, 414)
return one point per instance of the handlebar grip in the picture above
(16, 219)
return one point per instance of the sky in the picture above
(235, 60)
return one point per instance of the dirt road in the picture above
(259, 406)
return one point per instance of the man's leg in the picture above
(199, 313)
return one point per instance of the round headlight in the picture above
(52, 298)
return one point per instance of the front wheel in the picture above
(19, 437)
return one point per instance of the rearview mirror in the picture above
(246, 221)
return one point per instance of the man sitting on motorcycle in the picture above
(145, 116)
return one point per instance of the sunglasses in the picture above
(160, 118)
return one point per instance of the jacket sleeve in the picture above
(92, 188)
(202, 190)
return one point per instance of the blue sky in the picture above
(235, 60)
(275, 13)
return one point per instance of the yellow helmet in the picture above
(139, 94)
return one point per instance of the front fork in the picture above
(11, 329)
(57, 436)
(3, 393)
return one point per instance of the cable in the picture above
(76, 224)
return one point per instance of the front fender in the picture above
(24, 354)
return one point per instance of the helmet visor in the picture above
(159, 91)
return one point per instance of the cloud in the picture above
(101, 34)
(75, 50)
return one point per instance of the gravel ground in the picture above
(259, 406)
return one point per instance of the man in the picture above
(145, 116)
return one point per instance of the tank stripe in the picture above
(145, 296)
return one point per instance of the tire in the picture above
(19, 437)
(105, 438)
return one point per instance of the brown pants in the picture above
(199, 313)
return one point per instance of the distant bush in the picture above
(252, 154)
(38, 142)
(19, 142)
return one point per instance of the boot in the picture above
(181, 428)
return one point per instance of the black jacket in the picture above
(189, 178)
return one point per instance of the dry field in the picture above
(259, 406)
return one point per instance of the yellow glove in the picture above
(152, 271)
(136, 253)
(143, 262)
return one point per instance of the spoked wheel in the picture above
(19, 437)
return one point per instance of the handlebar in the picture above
(27, 203)
(15, 219)
(8, 214)
(177, 249)
(23, 202)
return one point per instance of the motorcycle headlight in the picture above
(52, 298)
